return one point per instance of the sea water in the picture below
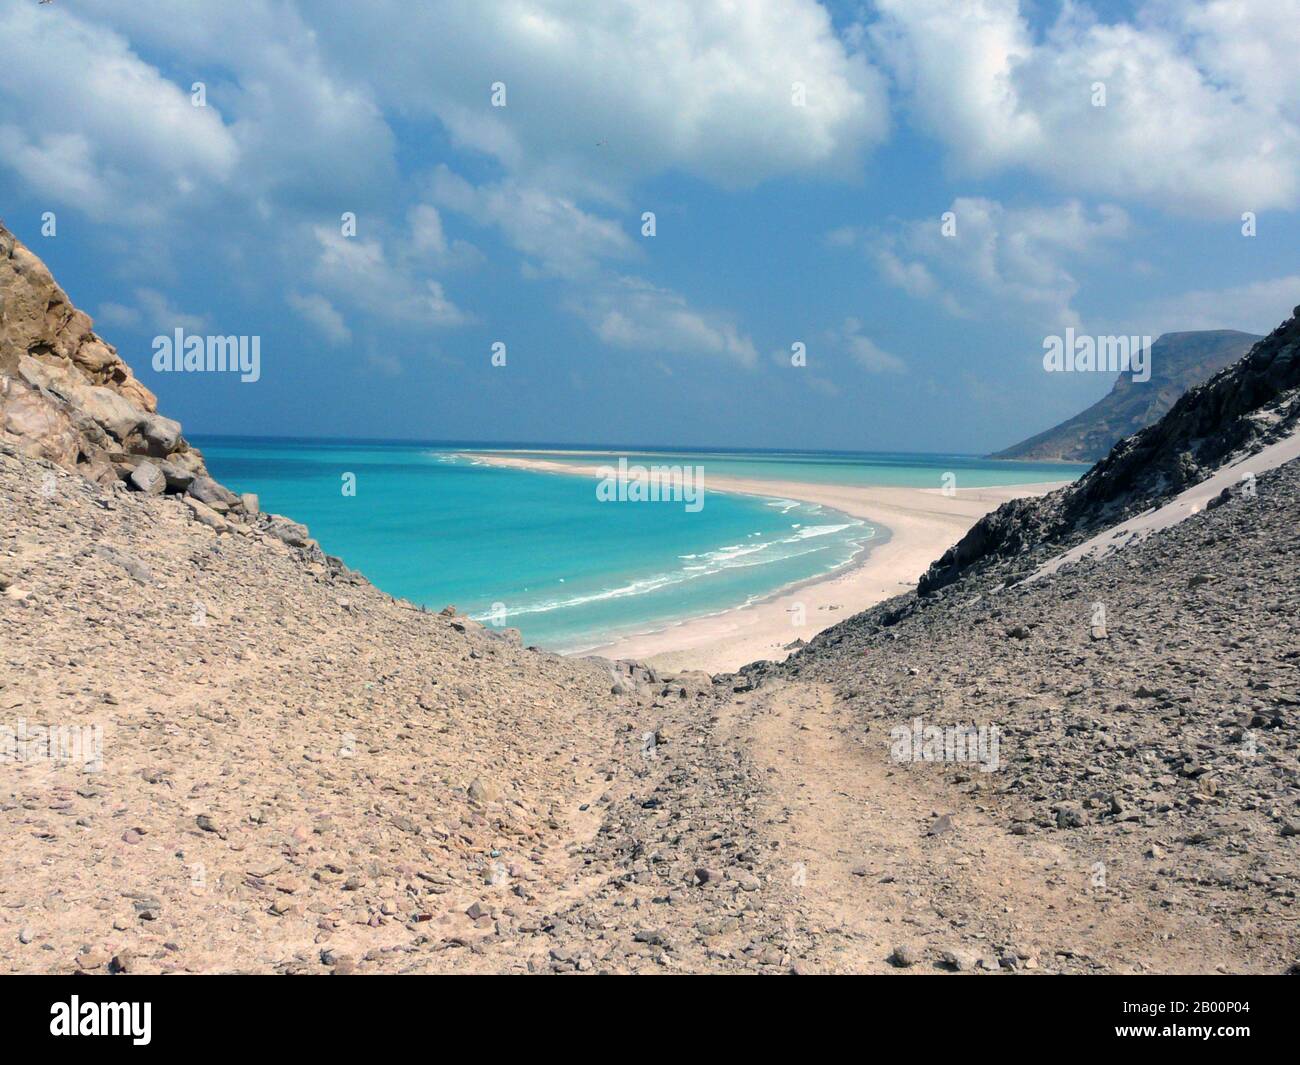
(540, 552)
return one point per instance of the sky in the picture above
(194, 166)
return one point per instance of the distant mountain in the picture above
(1251, 404)
(1179, 361)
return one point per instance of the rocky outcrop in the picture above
(1179, 361)
(1239, 411)
(66, 396)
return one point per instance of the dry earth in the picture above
(300, 774)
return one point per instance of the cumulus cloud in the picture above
(429, 241)
(1011, 258)
(84, 120)
(317, 310)
(632, 313)
(358, 271)
(305, 132)
(1201, 110)
(598, 93)
(559, 238)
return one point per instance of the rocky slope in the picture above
(1148, 705)
(222, 751)
(1147, 698)
(1240, 410)
(1179, 361)
(300, 774)
(67, 396)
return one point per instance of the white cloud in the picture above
(1012, 259)
(316, 309)
(357, 271)
(560, 238)
(1202, 113)
(599, 93)
(429, 241)
(151, 310)
(305, 132)
(84, 120)
(632, 313)
(865, 351)
(158, 312)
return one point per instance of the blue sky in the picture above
(775, 223)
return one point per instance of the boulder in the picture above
(205, 515)
(218, 497)
(43, 429)
(179, 478)
(148, 478)
(162, 435)
(118, 417)
(286, 531)
(57, 377)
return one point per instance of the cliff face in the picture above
(68, 397)
(1179, 361)
(1243, 408)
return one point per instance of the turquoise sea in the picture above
(541, 553)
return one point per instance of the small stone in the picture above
(905, 956)
(480, 792)
(95, 959)
(744, 879)
(942, 826)
(26, 935)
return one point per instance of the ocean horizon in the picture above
(427, 522)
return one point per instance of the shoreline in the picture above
(915, 526)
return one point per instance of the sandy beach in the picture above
(916, 526)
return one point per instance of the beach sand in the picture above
(916, 526)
